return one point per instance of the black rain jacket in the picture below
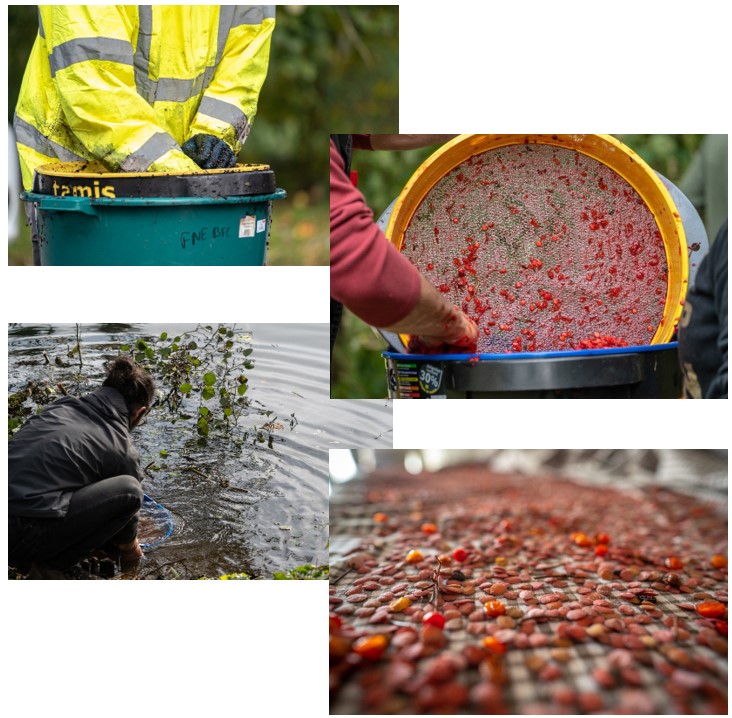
(72, 443)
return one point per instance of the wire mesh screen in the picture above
(537, 618)
(545, 248)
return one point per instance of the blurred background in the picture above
(699, 472)
(697, 164)
(332, 68)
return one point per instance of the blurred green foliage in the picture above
(382, 175)
(668, 154)
(358, 368)
(331, 68)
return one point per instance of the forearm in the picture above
(367, 273)
(407, 142)
(432, 316)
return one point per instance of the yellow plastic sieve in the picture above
(602, 148)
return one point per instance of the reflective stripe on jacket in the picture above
(129, 84)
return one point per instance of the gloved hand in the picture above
(209, 152)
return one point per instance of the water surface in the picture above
(236, 506)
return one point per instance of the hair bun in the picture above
(134, 383)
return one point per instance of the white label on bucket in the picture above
(246, 226)
(261, 226)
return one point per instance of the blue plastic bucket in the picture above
(153, 231)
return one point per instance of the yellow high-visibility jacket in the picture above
(128, 84)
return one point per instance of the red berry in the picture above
(371, 647)
(712, 609)
(581, 539)
(494, 608)
(494, 645)
(674, 563)
(460, 554)
(432, 618)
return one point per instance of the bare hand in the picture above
(130, 553)
(460, 338)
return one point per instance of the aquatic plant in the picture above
(307, 572)
(208, 364)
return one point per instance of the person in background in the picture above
(368, 274)
(74, 477)
(13, 189)
(142, 88)
(705, 182)
(703, 328)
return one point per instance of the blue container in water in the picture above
(209, 218)
(160, 523)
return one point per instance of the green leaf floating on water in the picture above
(208, 393)
(209, 378)
(185, 388)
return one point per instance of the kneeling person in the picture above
(74, 476)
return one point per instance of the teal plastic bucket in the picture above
(132, 231)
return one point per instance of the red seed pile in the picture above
(486, 594)
(545, 248)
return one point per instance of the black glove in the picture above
(209, 152)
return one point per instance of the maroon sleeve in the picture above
(367, 273)
(362, 142)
